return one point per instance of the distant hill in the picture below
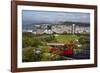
(77, 23)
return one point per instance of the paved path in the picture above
(67, 58)
(59, 44)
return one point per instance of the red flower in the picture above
(68, 51)
(53, 49)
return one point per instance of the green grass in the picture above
(66, 38)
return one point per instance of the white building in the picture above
(28, 30)
(48, 31)
(60, 28)
(82, 29)
(74, 28)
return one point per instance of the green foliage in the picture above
(45, 56)
(64, 33)
(27, 54)
(31, 40)
(27, 34)
(54, 32)
(35, 42)
(45, 48)
(26, 42)
(84, 39)
(49, 38)
(49, 57)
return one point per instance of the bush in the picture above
(84, 39)
(64, 33)
(54, 32)
(26, 42)
(50, 38)
(30, 56)
(27, 54)
(27, 34)
(35, 42)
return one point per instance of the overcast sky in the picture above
(32, 16)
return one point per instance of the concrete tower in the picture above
(73, 28)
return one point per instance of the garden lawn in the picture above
(66, 38)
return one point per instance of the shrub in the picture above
(35, 42)
(27, 54)
(64, 32)
(26, 42)
(50, 38)
(84, 39)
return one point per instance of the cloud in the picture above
(53, 16)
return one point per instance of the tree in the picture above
(35, 42)
(27, 34)
(64, 32)
(49, 27)
(26, 42)
(28, 55)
